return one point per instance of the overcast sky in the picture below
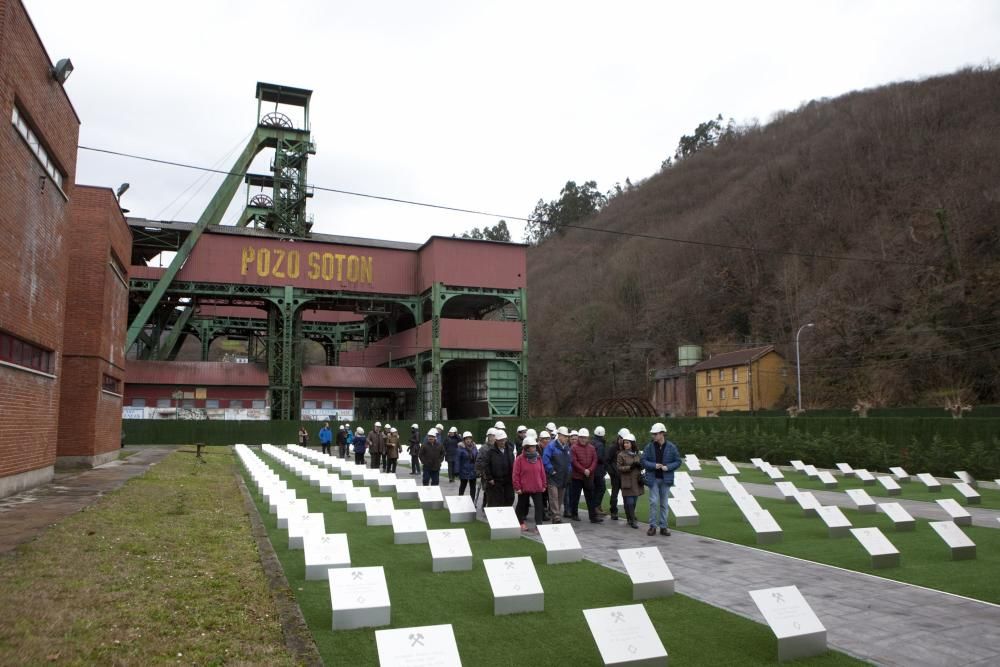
(482, 105)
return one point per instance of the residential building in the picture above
(740, 381)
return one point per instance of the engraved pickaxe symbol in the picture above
(778, 597)
(416, 639)
(509, 564)
(618, 616)
(357, 575)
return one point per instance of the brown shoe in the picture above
(651, 531)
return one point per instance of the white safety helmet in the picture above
(550, 427)
(393, 430)
(531, 434)
(522, 428)
(658, 427)
(544, 434)
(492, 432)
(360, 431)
(500, 425)
(584, 433)
(599, 431)
(563, 430)
(378, 423)
(439, 427)
(414, 425)
(453, 430)
(622, 431)
(467, 434)
(433, 432)
(341, 427)
(501, 434)
(529, 442)
(628, 436)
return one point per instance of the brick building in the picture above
(37, 257)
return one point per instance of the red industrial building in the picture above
(63, 266)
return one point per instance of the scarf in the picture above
(531, 456)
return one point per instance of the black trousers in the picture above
(359, 459)
(390, 465)
(522, 507)
(471, 483)
(376, 459)
(500, 494)
(326, 447)
(343, 451)
(616, 487)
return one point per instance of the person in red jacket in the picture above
(584, 458)
(530, 482)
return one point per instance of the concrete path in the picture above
(875, 619)
(23, 516)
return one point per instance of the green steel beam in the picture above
(166, 349)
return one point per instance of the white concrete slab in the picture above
(323, 552)
(962, 548)
(359, 597)
(799, 632)
(515, 585)
(503, 523)
(450, 550)
(424, 646)
(561, 543)
(625, 636)
(878, 546)
(651, 578)
(901, 519)
(409, 527)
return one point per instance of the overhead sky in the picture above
(481, 105)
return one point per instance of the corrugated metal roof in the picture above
(356, 377)
(196, 373)
(737, 358)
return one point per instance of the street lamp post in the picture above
(798, 365)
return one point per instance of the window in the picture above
(112, 384)
(236, 405)
(328, 405)
(722, 393)
(736, 375)
(188, 404)
(309, 405)
(138, 403)
(259, 405)
(736, 393)
(163, 403)
(708, 377)
(710, 394)
(212, 403)
(13, 350)
(18, 120)
(722, 374)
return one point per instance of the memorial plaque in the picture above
(424, 646)
(370, 477)
(798, 465)
(901, 475)
(450, 550)
(301, 525)
(962, 548)
(865, 477)
(683, 479)
(515, 585)
(323, 552)
(409, 527)
(845, 470)
(280, 498)
(358, 472)
(764, 526)
(692, 463)
(797, 629)
(890, 485)
(727, 466)
(378, 511)
(811, 471)
(406, 489)
(788, 491)
(683, 512)
(966, 477)
(773, 473)
(272, 489)
(651, 578)
(901, 519)
(327, 482)
(461, 509)
(359, 597)
(959, 515)
(929, 481)
(682, 493)
(430, 497)
(878, 546)
(386, 482)
(356, 497)
(733, 487)
(625, 636)
(808, 502)
(747, 503)
(561, 544)
(862, 500)
(503, 523)
(971, 496)
(338, 490)
(836, 523)
(757, 463)
(288, 508)
(828, 480)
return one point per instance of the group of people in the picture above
(548, 470)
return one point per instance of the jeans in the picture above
(630, 506)
(616, 487)
(522, 507)
(659, 491)
(431, 477)
(471, 484)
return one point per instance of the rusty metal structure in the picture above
(622, 407)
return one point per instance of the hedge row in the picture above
(939, 446)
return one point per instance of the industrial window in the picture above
(309, 405)
(736, 393)
(722, 393)
(163, 402)
(14, 350)
(710, 394)
(328, 405)
(188, 404)
(236, 405)
(112, 384)
(708, 377)
(259, 405)
(18, 120)
(138, 403)
(212, 403)
(736, 375)
(722, 374)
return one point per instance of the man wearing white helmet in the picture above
(558, 465)
(660, 459)
(584, 466)
(342, 442)
(465, 465)
(451, 442)
(522, 431)
(391, 450)
(413, 449)
(600, 488)
(498, 471)
(500, 426)
(431, 457)
(611, 461)
(359, 446)
(376, 445)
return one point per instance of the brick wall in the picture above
(33, 223)
(96, 321)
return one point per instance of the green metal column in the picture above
(284, 324)
(523, 366)
(436, 364)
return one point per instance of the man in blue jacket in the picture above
(558, 464)
(660, 459)
(325, 437)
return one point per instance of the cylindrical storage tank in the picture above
(688, 355)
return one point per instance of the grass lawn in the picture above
(912, 490)
(925, 560)
(165, 569)
(693, 632)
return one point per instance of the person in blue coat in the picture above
(660, 459)
(359, 446)
(465, 464)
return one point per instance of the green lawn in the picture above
(165, 569)
(912, 490)
(925, 560)
(690, 630)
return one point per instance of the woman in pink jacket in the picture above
(529, 482)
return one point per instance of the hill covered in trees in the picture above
(905, 177)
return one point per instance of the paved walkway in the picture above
(23, 516)
(875, 619)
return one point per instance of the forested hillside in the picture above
(907, 175)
